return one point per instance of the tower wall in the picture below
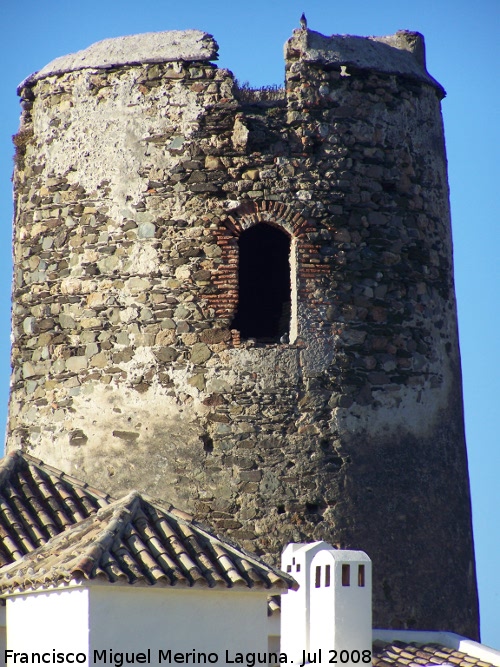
(134, 181)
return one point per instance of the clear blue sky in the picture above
(462, 54)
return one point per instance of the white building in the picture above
(89, 580)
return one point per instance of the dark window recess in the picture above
(361, 575)
(264, 285)
(318, 576)
(346, 575)
(327, 576)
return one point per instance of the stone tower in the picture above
(243, 301)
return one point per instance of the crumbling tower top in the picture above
(402, 53)
(149, 47)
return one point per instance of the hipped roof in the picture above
(132, 540)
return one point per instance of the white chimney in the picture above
(332, 609)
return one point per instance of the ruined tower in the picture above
(243, 301)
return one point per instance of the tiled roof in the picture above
(135, 541)
(273, 604)
(403, 654)
(38, 502)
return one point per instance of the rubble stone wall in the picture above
(133, 185)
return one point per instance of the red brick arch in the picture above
(275, 213)
(225, 277)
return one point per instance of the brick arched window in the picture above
(264, 284)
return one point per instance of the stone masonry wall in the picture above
(133, 184)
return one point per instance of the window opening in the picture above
(318, 576)
(264, 303)
(346, 575)
(327, 576)
(361, 575)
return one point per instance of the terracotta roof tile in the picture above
(399, 654)
(37, 503)
(273, 604)
(135, 541)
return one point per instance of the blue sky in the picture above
(462, 54)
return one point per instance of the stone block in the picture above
(76, 364)
(200, 353)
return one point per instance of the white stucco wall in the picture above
(3, 634)
(274, 632)
(43, 622)
(341, 615)
(295, 608)
(119, 619)
(137, 619)
(316, 620)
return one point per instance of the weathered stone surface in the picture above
(150, 47)
(200, 353)
(134, 187)
(401, 53)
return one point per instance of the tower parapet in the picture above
(244, 302)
